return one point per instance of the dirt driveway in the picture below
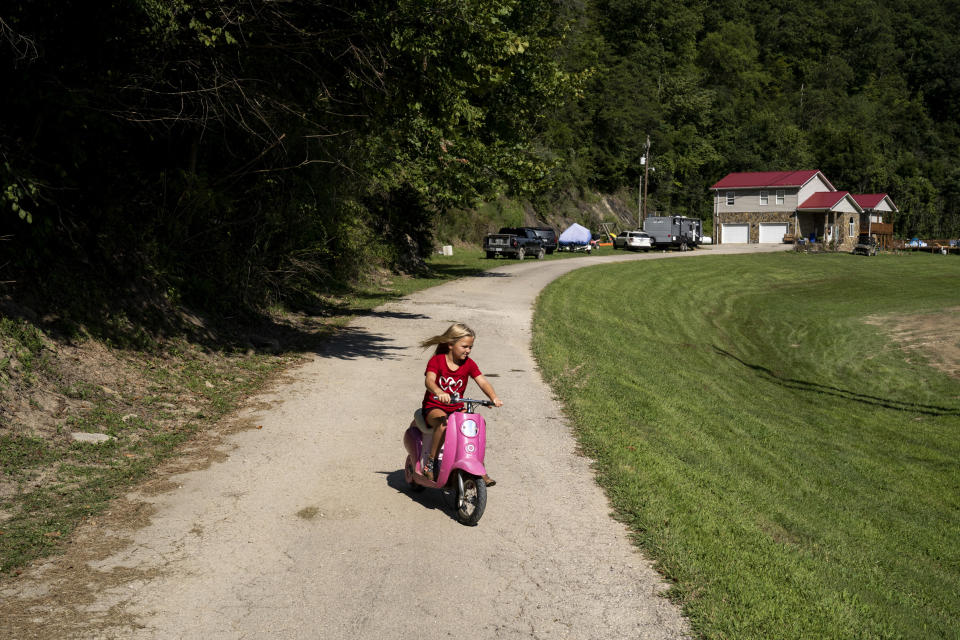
(302, 528)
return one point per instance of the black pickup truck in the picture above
(517, 242)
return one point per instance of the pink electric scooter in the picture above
(460, 465)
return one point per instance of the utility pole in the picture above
(640, 202)
(646, 177)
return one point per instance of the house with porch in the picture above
(769, 206)
(875, 206)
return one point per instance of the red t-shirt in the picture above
(450, 381)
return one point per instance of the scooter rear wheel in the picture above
(472, 500)
(408, 471)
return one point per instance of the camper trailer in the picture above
(673, 231)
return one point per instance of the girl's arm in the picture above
(431, 383)
(487, 388)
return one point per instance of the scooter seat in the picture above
(421, 422)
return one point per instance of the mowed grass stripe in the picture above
(791, 468)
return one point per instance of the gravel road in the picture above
(303, 528)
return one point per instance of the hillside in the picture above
(236, 157)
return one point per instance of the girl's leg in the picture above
(426, 439)
(436, 419)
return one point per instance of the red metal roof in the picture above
(869, 200)
(757, 179)
(824, 200)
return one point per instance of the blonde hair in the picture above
(454, 332)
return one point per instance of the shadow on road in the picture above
(428, 498)
(394, 315)
(453, 272)
(352, 343)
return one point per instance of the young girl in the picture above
(447, 373)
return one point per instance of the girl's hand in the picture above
(444, 398)
(497, 402)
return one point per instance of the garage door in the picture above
(772, 232)
(734, 233)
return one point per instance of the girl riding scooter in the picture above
(446, 375)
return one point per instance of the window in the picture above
(779, 196)
(730, 197)
(763, 197)
(852, 230)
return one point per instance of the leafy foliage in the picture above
(234, 155)
(238, 154)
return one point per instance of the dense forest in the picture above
(240, 154)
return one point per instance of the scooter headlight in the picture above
(469, 428)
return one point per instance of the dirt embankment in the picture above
(934, 336)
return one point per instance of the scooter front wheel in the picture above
(471, 498)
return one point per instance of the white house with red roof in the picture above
(767, 206)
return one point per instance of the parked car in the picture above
(866, 245)
(633, 240)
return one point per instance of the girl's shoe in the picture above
(489, 481)
(428, 469)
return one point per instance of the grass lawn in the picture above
(790, 467)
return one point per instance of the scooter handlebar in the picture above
(456, 399)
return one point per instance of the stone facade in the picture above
(810, 223)
(837, 222)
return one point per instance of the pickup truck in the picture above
(514, 242)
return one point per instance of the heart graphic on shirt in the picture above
(450, 385)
